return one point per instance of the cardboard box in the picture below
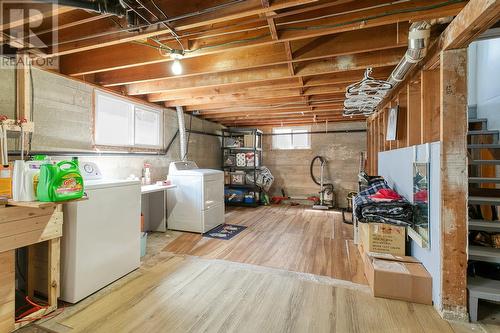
(398, 277)
(383, 238)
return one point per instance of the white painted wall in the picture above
(484, 76)
(396, 166)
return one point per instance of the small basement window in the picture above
(291, 138)
(121, 123)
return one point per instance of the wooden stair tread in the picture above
(483, 253)
(484, 288)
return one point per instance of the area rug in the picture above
(224, 231)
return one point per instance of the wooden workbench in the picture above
(39, 227)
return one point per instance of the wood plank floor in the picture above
(288, 237)
(190, 294)
(174, 292)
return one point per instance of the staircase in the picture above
(484, 155)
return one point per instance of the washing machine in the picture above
(197, 203)
(101, 235)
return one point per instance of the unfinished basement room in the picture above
(253, 166)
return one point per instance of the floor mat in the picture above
(225, 231)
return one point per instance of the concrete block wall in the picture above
(63, 116)
(342, 150)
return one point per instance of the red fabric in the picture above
(421, 196)
(386, 194)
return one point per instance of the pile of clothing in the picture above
(377, 202)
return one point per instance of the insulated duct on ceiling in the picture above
(115, 7)
(182, 132)
(418, 42)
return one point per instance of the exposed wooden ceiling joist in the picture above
(314, 67)
(254, 62)
(133, 55)
(241, 9)
(475, 18)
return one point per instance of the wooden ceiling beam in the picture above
(254, 76)
(246, 89)
(134, 55)
(236, 88)
(47, 12)
(179, 100)
(358, 16)
(247, 96)
(381, 73)
(292, 121)
(350, 62)
(284, 101)
(343, 18)
(240, 10)
(473, 20)
(262, 115)
(237, 80)
(328, 65)
(257, 109)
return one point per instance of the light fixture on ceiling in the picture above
(176, 65)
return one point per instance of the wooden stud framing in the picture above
(430, 105)
(454, 184)
(414, 119)
(402, 120)
(7, 288)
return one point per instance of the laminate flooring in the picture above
(294, 238)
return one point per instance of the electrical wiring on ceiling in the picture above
(145, 26)
(155, 40)
(374, 17)
(316, 27)
(172, 31)
(163, 47)
(344, 13)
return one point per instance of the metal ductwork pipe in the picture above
(182, 132)
(115, 7)
(418, 42)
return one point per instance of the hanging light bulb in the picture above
(176, 67)
(176, 55)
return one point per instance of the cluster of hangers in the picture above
(363, 97)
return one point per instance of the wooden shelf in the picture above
(12, 126)
(40, 204)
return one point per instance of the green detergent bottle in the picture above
(60, 182)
